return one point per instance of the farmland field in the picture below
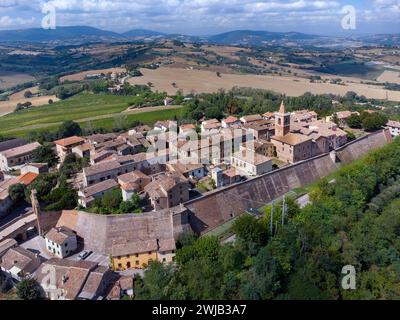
(390, 76)
(355, 69)
(100, 110)
(81, 75)
(200, 81)
(11, 79)
(8, 106)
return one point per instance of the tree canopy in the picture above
(354, 220)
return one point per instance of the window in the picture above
(128, 265)
(137, 262)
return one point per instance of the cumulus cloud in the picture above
(197, 16)
(7, 21)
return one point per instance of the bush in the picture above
(28, 289)
(17, 192)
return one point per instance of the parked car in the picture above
(84, 254)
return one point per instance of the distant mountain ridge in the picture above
(241, 37)
(257, 37)
(58, 34)
(143, 33)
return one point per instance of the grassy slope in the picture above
(79, 107)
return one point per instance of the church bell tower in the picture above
(282, 122)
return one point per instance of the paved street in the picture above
(102, 260)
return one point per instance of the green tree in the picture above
(131, 206)
(17, 192)
(28, 289)
(63, 198)
(112, 200)
(249, 229)
(157, 283)
(28, 94)
(373, 121)
(186, 239)
(43, 184)
(68, 129)
(45, 154)
(354, 121)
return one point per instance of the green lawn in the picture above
(148, 118)
(78, 108)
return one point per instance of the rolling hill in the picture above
(82, 34)
(59, 34)
(142, 33)
(258, 37)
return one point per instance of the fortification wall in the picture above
(205, 213)
(218, 207)
(359, 148)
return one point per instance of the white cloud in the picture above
(7, 21)
(197, 15)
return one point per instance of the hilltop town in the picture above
(103, 207)
(200, 161)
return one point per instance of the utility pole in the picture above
(271, 225)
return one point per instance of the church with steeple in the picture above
(282, 121)
(290, 147)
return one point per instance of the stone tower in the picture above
(282, 122)
(36, 210)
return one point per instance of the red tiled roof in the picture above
(27, 148)
(231, 119)
(28, 178)
(69, 141)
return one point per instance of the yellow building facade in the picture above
(134, 261)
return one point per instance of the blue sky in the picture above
(201, 17)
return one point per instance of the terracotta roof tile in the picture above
(28, 178)
(69, 141)
(28, 148)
